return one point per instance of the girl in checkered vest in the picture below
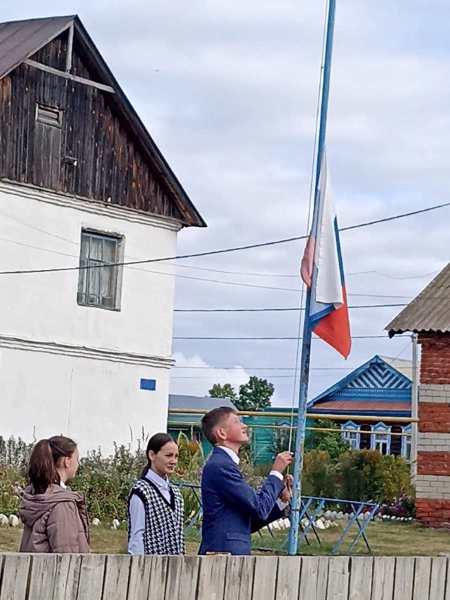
(155, 506)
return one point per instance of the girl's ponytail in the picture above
(45, 456)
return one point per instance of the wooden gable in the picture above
(376, 386)
(66, 125)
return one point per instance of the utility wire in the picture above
(201, 268)
(245, 368)
(354, 337)
(195, 278)
(219, 251)
(207, 378)
(296, 275)
(274, 309)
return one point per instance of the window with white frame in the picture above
(406, 442)
(380, 438)
(350, 434)
(99, 284)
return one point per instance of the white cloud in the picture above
(194, 373)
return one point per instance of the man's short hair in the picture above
(212, 419)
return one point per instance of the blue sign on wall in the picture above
(148, 384)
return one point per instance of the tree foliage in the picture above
(223, 391)
(253, 395)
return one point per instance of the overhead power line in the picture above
(189, 267)
(273, 309)
(273, 338)
(219, 251)
(247, 368)
(296, 275)
(218, 281)
(206, 378)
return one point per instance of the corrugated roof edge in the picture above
(405, 313)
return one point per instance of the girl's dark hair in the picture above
(155, 443)
(44, 460)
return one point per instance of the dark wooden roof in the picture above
(429, 312)
(19, 40)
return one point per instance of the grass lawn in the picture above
(385, 539)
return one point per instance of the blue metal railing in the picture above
(358, 514)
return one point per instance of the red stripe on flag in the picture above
(335, 328)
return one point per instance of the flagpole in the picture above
(307, 331)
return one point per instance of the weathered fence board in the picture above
(422, 575)
(383, 578)
(158, 577)
(314, 578)
(140, 572)
(239, 578)
(15, 577)
(122, 577)
(338, 576)
(189, 579)
(404, 578)
(447, 582)
(288, 578)
(438, 578)
(174, 577)
(92, 573)
(211, 579)
(68, 568)
(53, 577)
(265, 577)
(117, 573)
(360, 587)
(43, 576)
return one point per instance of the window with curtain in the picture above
(98, 283)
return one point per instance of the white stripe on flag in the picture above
(328, 286)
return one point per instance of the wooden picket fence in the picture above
(121, 577)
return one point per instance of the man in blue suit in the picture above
(232, 509)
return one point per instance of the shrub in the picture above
(368, 475)
(330, 441)
(396, 479)
(106, 481)
(319, 474)
(14, 456)
(11, 482)
(190, 459)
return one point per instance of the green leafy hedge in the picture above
(105, 481)
(356, 475)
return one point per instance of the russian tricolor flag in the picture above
(322, 270)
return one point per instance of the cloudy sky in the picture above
(228, 90)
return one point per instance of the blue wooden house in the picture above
(381, 387)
